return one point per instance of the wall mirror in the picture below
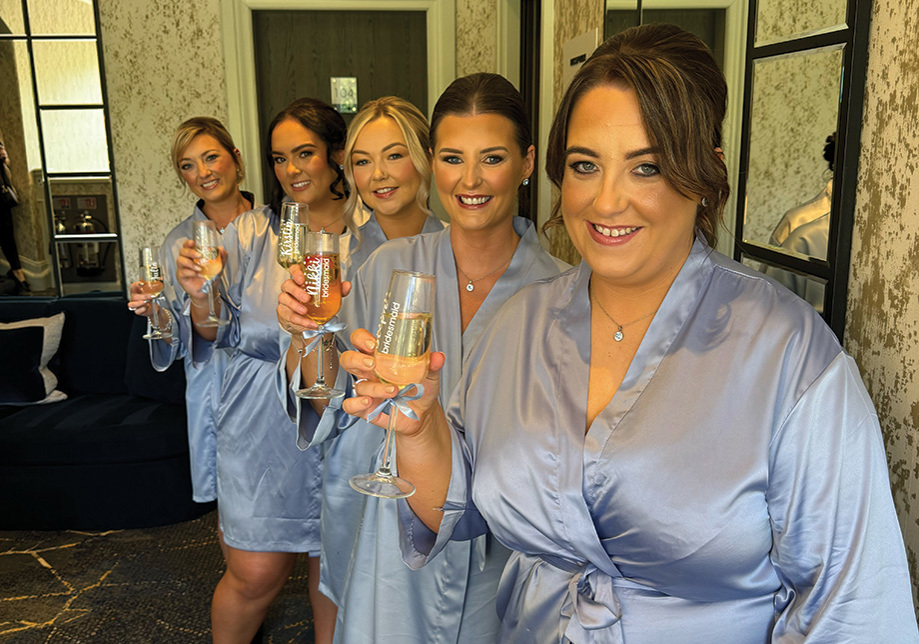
(54, 121)
(802, 105)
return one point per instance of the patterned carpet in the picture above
(126, 587)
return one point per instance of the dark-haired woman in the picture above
(482, 154)
(388, 166)
(676, 448)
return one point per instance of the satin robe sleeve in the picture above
(837, 546)
(461, 520)
(185, 341)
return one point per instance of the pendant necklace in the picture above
(619, 327)
(470, 283)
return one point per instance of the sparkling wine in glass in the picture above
(207, 243)
(151, 283)
(321, 265)
(401, 358)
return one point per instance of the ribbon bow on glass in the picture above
(400, 402)
(332, 326)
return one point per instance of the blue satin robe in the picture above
(380, 600)
(268, 491)
(337, 495)
(735, 489)
(204, 366)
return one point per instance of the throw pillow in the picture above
(26, 347)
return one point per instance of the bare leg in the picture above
(246, 590)
(324, 609)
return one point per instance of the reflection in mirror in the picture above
(67, 71)
(19, 133)
(84, 205)
(780, 20)
(11, 15)
(793, 111)
(61, 17)
(807, 287)
(74, 140)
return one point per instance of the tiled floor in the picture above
(144, 586)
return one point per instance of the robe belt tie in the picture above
(400, 402)
(331, 326)
(592, 607)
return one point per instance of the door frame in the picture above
(239, 57)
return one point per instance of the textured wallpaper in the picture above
(882, 330)
(163, 64)
(476, 34)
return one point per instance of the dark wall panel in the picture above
(298, 52)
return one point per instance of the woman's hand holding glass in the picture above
(370, 391)
(195, 272)
(312, 295)
(401, 359)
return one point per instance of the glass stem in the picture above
(210, 300)
(154, 318)
(320, 367)
(386, 467)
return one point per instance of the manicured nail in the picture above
(371, 344)
(368, 362)
(390, 390)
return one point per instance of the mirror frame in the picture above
(55, 241)
(835, 269)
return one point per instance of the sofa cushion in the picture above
(142, 379)
(26, 348)
(93, 345)
(93, 428)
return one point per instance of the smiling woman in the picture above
(717, 470)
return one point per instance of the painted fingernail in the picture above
(368, 362)
(390, 390)
(371, 344)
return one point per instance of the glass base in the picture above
(385, 486)
(319, 392)
(213, 322)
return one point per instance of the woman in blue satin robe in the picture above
(482, 155)
(675, 447)
(206, 159)
(388, 164)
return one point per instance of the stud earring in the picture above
(526, 181)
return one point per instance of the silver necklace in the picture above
(470, 285)
(619, 327)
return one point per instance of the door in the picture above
(297, 53)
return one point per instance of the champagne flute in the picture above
(207, 243)
(401, 358)
(292, 213)
(151, 283)
(321, 264)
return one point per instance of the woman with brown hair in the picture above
(676, 448)
(482, 156)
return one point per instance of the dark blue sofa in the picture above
(115, 453)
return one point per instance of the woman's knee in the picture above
(259, 574)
